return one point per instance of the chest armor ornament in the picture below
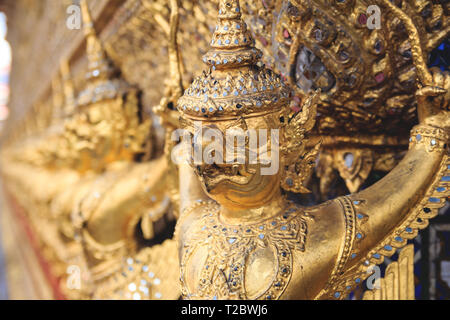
(230, 247)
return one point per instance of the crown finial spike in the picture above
(98, 64)
(231, 32)
(87, 19)
(232, 41)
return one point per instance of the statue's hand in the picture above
(434, 101)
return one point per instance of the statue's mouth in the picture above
(213, 175)
(310, 72)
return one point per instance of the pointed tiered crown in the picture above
(102, 81)
(99, 66)
(236, 84)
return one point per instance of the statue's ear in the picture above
(296, 175)
(306, 118)
(299, 124)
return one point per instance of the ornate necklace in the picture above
(229, 247)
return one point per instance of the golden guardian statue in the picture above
(239, 236)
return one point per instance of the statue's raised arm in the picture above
(395, 208)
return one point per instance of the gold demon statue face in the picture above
(238, 160)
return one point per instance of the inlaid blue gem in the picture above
(439, 57)
(236, 41)
(359, 235)
(261, 236)
(398, 239)
(353, 255)
(446, 178)
(356, 202)
(283, 228)
(227, 41)
(238, 26)
(357, 280)
(360, 216)
(225, 28)
(337, 294)
(231, 240)
(388, 248)
(434, 200)
(376, 256)
(408, 230)
(419, 137)
(440, 189)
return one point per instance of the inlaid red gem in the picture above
(362, 19)
(379, 77)
(286, 34)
